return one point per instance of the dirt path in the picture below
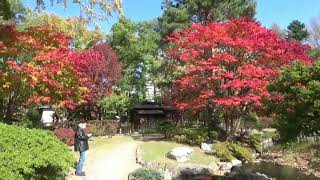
(111, 164)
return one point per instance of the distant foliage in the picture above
(115, 105)
(90, 10)
(179, 14)
(137, 45)
(297, 31)
(32, 154)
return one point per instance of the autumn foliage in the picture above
(229, 66)
(66, 135)
(100, 68)
(38, 66)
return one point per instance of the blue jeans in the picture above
(81, 161)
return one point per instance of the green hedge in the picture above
(32, 154)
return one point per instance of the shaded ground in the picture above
(305, 157)
(110, 159)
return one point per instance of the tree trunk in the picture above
(212, 120)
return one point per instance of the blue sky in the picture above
(281, 12)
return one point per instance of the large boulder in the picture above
(181, 154)
(236, 162)
(206, 147)
(238, 174)
(190, 171)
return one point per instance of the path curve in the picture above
(111, 165)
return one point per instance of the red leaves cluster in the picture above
(100, 68)
(66, 135)
(230, 63)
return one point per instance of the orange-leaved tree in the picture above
(35, 69)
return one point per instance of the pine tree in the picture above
(297, 31)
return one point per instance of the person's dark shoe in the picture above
(80, 174)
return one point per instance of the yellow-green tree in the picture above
(74, 27)
(89, 9)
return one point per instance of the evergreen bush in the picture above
(32, 154)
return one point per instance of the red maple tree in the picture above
(100, 68)
(229, 66)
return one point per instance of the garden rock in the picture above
(238, 173)
(206, 147)
(214, 166)
(225, 166)
(181, 154)
(236, 162)
(187, 171)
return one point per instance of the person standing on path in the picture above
(81, 144)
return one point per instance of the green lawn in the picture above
(157, 150)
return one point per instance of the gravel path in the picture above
(113, 164)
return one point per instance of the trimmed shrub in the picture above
(167, 128)
(180, 138)
(192, 136)
(32, 154)
(255, 141)
(146, 174)
(240, 152)
(228, 151)
(66, 135)
(222, 151)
